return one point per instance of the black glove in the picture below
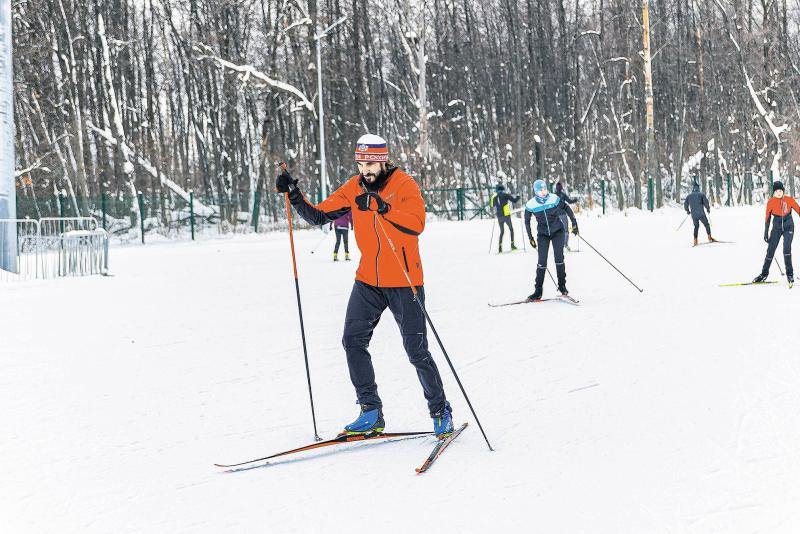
(372, 202)
(284, 182)
(575, 230)
(766, 237)
(533, 242)
(687, 213)
(766, 232)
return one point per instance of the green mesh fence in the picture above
(170, 214)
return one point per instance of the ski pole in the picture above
(491, 239)
(611, 264)
(300, 309)
(775, 259)
(433, 328)
(324, 235)
(551, 276)
(679, 226)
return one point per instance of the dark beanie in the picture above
(778, 185)
(499, 187)
(559, 187)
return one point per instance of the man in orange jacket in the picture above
(779, 211)
(386, 204)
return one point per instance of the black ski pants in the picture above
(341, 235)
(778, 231)
(543, 245)
(502, 221)
(701, 219)
(364, 310)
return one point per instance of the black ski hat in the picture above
(778, 185)
(695, 187)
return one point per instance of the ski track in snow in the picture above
(674, 410)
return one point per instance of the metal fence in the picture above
(54, 247)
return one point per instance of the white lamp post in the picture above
(323, 176)
(8, 192)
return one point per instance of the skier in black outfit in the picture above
(548, 209)
(500, 202)
(779, 212)
(565, 198)
(696, 204)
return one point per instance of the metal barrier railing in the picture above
(54, 247)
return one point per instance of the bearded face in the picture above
(369, 171)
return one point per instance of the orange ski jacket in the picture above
(781, 207)
(380, 265)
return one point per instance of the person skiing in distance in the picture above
(548, 208)
(696, 205)
(342, 227)
(567, 200)
(500, 201)
(380, 191)
(779, 211)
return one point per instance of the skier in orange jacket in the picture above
(779, 211)
(382, 198)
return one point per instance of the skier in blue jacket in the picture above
(548, 209)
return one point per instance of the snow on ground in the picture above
(674, 410)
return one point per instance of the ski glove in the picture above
(766, 237)
(372, 202)
(284, 182)
(575, 230)
(533, 242)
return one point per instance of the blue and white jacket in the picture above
(548, 212)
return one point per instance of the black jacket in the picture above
(565, 197)
(499, 201)
(548, 216)
(695, 203)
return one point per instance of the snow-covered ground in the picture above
(674, 410)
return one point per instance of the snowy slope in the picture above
(674, 410)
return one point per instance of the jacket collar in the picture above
(380, 182)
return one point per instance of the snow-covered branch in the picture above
(249, 70)
(200, 208)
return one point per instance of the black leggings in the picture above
(558, 239)
(341, 234)
(505, 220)
(778, 231)
(364, 310)
(702, 219)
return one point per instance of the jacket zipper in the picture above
(405, 260)
(544, 211)
(377, 255)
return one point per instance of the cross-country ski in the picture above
(383, 437)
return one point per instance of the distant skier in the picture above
(697, 205)
(342, 227)
(779, 210)
(548, 209)
(380, 197)
(567, 200)
(501, 202)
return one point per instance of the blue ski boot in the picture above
(443, 422)
(368, 422)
